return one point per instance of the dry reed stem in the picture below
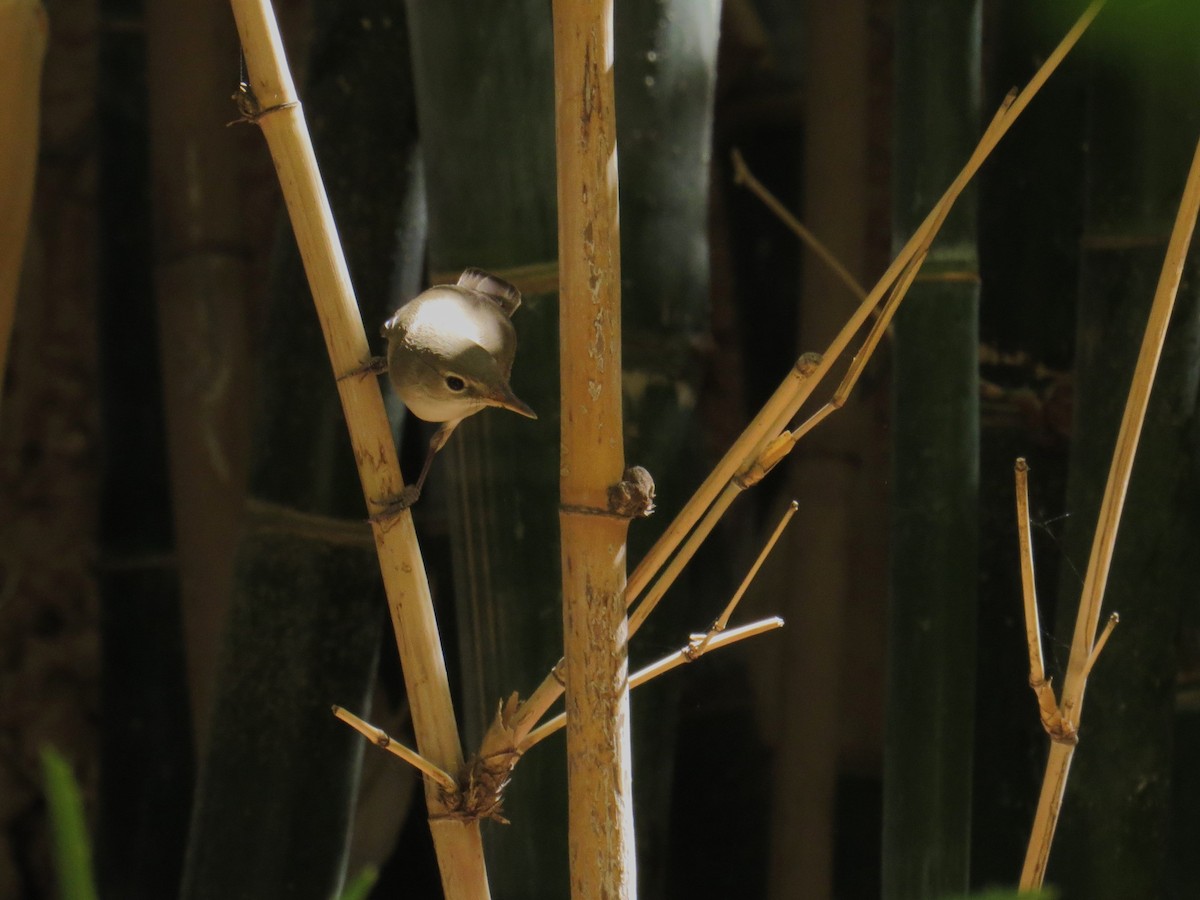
(695, 648)
(713, 516)
(701, 532)
(381, 738)
(1084, 644)
(699, 643)
(857, 365)
(743, 176)
(22, 46)
(1033, 627)
(600, 838)
(783, 405)
(276, 109)
(1113, 620)
(1047, 702)
(735, 457)
(723, 619)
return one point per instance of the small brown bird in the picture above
(450, 354)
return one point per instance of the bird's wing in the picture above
(507, 297)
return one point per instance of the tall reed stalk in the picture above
(276, 109)
(600, 810)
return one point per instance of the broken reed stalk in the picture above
(1047, 705)
(723, 619)
(381, 738)
(275, 108)
(689, 653)
(765, 432)
(600, 838)
(22, 47)
(1085, 645)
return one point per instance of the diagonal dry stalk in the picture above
(273, 105)
(692, 651)
(765, 440)
(1086, 644)
(743, 176)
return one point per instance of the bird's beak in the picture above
(505, 398)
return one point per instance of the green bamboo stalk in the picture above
(490, 188)
(931, 646)
(665, 77)
(146, 758)
(200, 292)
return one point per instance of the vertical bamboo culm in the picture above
(600, 818)
(22, 46)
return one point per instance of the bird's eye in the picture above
(455, 383)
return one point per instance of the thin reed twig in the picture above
(381, 738)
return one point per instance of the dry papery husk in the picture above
(486, 774)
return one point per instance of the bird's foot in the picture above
(376, 365)
(396, 504)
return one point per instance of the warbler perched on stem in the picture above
(450, 354)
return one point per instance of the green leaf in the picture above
(360, 887)
(72, 853)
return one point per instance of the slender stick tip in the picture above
(1021, 465)
(739, 166)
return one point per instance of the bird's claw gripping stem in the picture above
(396, 504)
(376, 365)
